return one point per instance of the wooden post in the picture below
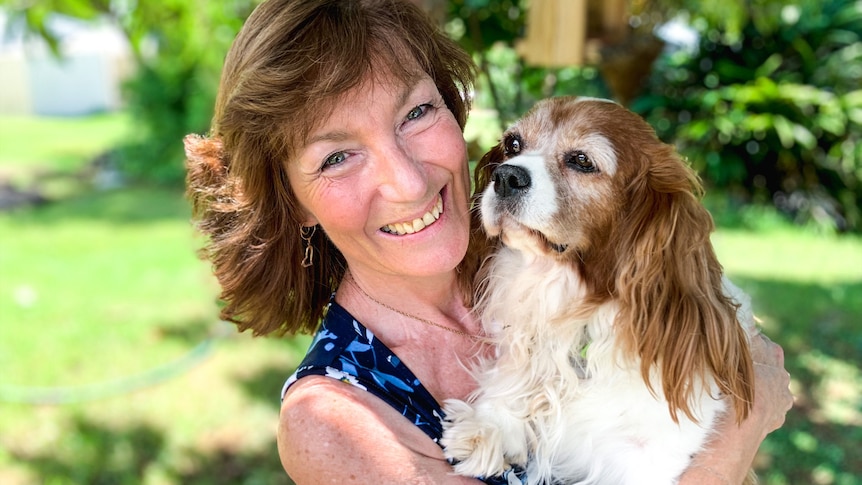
(556, 33)
(562, 33)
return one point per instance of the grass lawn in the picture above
(33, 144)
(114, 369)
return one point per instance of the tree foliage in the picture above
(35, 16)
(181, 46)
(768, 106)
(772, 110)
(489, 30)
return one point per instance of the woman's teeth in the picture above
(402, 228)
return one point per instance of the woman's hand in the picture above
(772, 397)
(728, 457)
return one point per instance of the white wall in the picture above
(86, 79)
(14, 85)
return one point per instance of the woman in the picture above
(336, 163)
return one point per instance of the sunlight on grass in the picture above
(791, 254)
(99, 290)
(91, 286)
(31, 143)
(838, 387)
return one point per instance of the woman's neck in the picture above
(401, 307)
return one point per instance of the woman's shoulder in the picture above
(330, 429)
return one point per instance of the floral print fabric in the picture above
(344, 349)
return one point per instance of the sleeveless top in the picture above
(344, 349)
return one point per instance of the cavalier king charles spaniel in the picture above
(619, 344)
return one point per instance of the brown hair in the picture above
(289, 63)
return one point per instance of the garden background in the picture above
(115, 370)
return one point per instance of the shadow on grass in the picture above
(266, 382)
(95, 454)
(192, 332)
(808, 316)
(818, 326)
(225, 466)
(266, 385)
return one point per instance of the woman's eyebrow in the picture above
(336, 135)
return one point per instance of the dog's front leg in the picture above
(485, 437)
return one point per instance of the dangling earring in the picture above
(305, 233)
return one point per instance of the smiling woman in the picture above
(272, 104)
(379, 165)
(334, 186)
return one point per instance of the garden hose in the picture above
(91, 392)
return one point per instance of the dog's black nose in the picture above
(510, 180)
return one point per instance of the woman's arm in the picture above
(331, 432)
(731, 452)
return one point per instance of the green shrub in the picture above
(181, 48)
(773, 112)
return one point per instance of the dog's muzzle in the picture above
(510, 181)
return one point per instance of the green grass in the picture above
(113, 366)
(104, 304)
(99, 268)
(807, 288)
(30, 143)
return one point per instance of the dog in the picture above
(619, 343)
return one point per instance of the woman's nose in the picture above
(401, 173)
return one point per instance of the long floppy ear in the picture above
(481, 246)
(670, 288)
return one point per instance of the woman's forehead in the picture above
(377, 84)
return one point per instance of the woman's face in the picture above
(386, 177)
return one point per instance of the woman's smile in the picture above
(417, 224)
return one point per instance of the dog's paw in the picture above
(473, 445)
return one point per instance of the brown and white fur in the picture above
(619, 342)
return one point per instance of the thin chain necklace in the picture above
(349, 276)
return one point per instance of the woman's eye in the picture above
(334, 159)
(417, 112)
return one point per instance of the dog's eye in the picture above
(512, 145)
(580, 162)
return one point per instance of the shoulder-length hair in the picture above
(289, 63)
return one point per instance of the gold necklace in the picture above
(349, 276)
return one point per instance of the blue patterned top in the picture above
(344, 349)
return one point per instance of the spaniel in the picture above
(619, 343)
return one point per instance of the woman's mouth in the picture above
(416, 225)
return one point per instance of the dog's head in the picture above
(581, 180)
(587, 183)
(557, 177)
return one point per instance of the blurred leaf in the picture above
(784, 130)
(770, 65)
